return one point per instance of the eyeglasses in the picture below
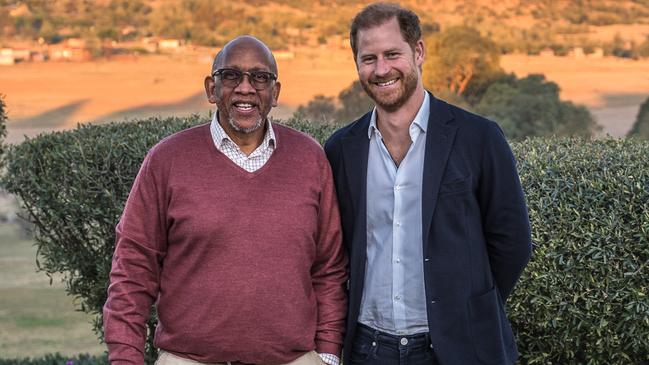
(232, 78)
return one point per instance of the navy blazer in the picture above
(476, 231)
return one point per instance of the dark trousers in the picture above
(372, 347)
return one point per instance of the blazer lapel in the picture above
(355, 149)
(439, 141)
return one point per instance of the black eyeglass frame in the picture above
(251, 78)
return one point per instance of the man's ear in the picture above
(276, 88)
(210, 89)
(419, 53)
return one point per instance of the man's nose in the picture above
(245, 87)
(382, 67)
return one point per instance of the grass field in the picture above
(36, 317)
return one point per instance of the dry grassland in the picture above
(612, 88)
(51, 96)
(37, 318)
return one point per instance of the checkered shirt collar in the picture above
(219, 136)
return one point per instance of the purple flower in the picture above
(69, 362)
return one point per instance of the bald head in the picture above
(241, 44)
(245, 93)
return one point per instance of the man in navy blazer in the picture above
(433, 213)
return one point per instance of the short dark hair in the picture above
(377, 14)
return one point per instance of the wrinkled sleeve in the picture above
(504, 212)
(329, 272)
(134, 278)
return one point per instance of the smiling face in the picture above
(388, 68)
(243, 109)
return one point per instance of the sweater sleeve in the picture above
(135, 272)
(329, 272)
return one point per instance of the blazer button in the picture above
(432, 302)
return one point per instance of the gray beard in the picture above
(238, 128)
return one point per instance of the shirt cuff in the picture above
(329, 359)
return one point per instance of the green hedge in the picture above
(640, 128)
(582, 300)
(73, 186)
(58, 359)
(584, 296)
(3, 122)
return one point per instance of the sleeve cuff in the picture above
(330, 359)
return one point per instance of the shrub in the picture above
(319, 131)
(583, 297)
(582, 300)
(73, 186)
(58, 359)
(643, 48)
(353, 102)
(531, 107)
(3, 123)
(459, 59)
(640, 128)
(320, 109)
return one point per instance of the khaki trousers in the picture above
(166, 358)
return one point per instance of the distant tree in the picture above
(107, 33)
(619, 47)
(641, 126)
(321, 109)
(354, 102)
(643, 48)
(451, 98)
(129, 12)
(576, 12)
(430, 27)
(171, 20)
(461, 61)
(49, 32)
(531, 106)
(3, 123)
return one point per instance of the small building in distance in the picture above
(7, 57)
(577, 52)
(72, 49)
(284, 55)
(597, 53)
(11, 56)
(547, 52)
(168, 44)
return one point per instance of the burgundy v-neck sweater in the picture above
(244, 266)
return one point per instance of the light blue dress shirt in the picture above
(394, 298)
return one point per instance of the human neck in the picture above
(394, 123)
(395, 126)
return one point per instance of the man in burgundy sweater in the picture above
(232, 229)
